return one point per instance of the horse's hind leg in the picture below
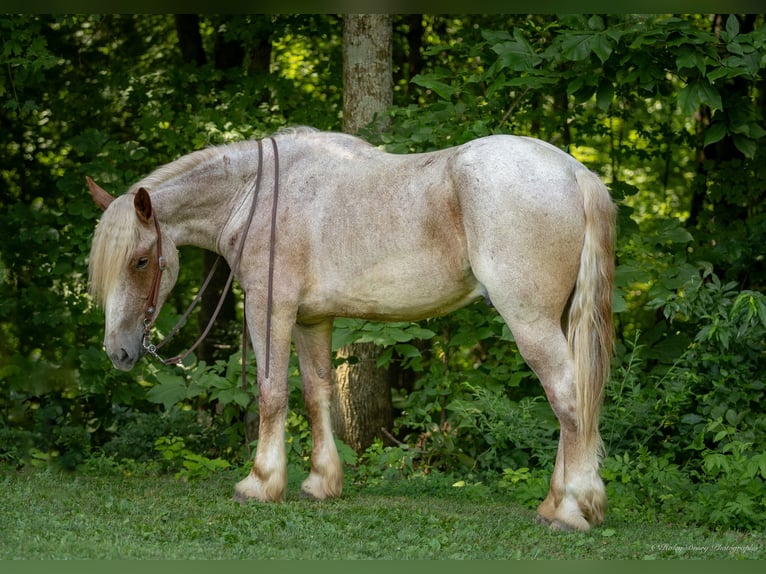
(313, 343)
(576, 498)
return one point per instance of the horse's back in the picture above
(382, 233)
(394, 235)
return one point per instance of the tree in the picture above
(362, 398)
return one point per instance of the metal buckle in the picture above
(146, 341)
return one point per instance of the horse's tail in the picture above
(590, 329)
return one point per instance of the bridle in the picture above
(150, 313)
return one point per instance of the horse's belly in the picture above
(412, 288)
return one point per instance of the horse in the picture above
(360, 232)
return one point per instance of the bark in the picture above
(361, 404)
(367, 79)
(259, 53)
(362, 400)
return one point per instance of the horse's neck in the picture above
(195, 210)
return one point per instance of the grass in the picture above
(48, 514)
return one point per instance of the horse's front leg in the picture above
(313, 343)
(267, 480)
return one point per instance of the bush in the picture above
(686, 439)
(136, 434)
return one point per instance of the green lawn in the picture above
(47, 514)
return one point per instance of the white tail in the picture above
(591, 331)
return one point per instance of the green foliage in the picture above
(135, 434)
(395, 338)
(188, 464)
(668, 109)
(687, 433)
(501, 433)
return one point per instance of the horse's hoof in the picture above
(580, 525)
(561, 526)
(240, 498)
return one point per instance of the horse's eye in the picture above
(142, 263)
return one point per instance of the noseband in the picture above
(150, 313)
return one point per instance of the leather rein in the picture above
(150, 316)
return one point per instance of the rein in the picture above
(151, 309)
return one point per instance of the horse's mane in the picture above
(113, 243)
(185, 163)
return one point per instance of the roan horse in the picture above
(358, 232)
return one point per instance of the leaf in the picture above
(418, 332)
(618, 301)
(576, 46)
(596, 23)
(232, 395)
(444, 91)
(602, 47)
(696, 93)
(672, 232)
(715, 133)
(408, 351)
(620, 189)
(745, 144)
(689, 57)
(732, 26)
(631, 272)
(761, 311)
(691, 419)
(170, 390)
(517, 54)
(604, 94)
(495, 36)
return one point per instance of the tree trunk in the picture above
(367, 75)
(361, 404)
(259, 53)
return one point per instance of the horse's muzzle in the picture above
(124, 356)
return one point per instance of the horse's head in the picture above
(124, 265)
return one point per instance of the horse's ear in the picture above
(99, 195)
(143, 204)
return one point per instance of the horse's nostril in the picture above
(122, 359)
(119, 356)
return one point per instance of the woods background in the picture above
(669, 110)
